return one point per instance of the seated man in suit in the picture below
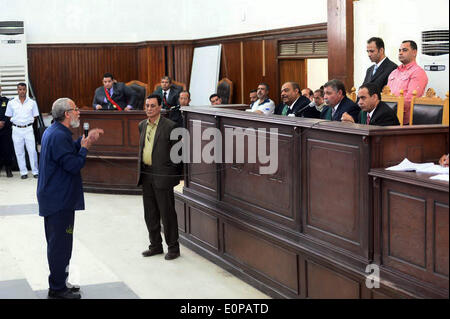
(294, 103)
(113, 95)
(215, 99)
(337, 102)
(379, 72)
(169, 93)
(175, 112)
(373, 110)
(263, 105)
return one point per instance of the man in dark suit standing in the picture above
(113, 95)
(379, 72)
(158, 176)
(373, 111)
(294, 103)
(337, 102)
(169, 93)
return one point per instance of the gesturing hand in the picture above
(94, 134)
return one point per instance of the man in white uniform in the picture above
(22, 110)
(263, 105)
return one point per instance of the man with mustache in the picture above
(60, 190)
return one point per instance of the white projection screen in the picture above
(204, 74)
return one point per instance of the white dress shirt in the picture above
(22, 114)
(267, 106)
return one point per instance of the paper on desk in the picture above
(440, 177)
(435, 169)
(407, 166)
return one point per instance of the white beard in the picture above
(74, 123)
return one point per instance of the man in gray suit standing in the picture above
(158, 176)
(379, 72)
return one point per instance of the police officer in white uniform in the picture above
(22, 110)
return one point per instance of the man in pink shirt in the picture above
(408, 76)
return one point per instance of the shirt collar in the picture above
(27, 98)
(290, 106)
(337, 105)
(379, 63)
(265, 101)
(65, 129)
(371, 112)
(156, 122)
(403, 67)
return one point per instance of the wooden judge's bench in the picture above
(310, 229)
(111, 165)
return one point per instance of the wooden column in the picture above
(340, 41)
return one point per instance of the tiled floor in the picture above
(109, 237)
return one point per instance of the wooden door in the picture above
(293, 70)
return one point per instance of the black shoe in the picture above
(152, 252)
(8, 172)
(36, 176)
(73, 288)
(172, 255)
(67, 294)
(24, 176)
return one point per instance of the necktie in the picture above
(285, 110)
(368, 119)
(165, 97)
(333, 111)
(375, 69)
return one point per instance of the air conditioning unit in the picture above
(434, 60)
(13, 57)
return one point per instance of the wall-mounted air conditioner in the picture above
(434, 59)
(13, 57)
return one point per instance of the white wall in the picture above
(317, 73)
(96, 21)
(393, 21)
(210, 18)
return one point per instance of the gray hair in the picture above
(59, 108)
(336, 85)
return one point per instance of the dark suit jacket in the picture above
(346, 105)
(380, 78)
(161, 164)
(172, 99)
(122, 95)
(299, 104)
(6, 130)
(382, 116)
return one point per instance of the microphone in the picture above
(86, 129)
(301, 110)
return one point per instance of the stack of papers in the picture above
(440, 177)
(430, 168)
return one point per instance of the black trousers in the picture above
(159, 205)
(6, 148)
(59, 235)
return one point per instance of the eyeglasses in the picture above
(75, 109)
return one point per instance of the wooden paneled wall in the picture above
(75, 70)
